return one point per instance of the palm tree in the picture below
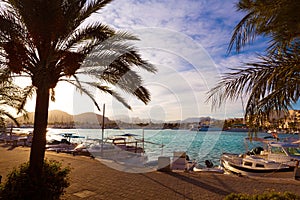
(50, 41)
(271, 83)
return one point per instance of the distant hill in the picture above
(91, 118)
(58, 116)
(61, 119)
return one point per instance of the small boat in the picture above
(283, 152)
(276, 157)
(123, 148)
(61, 142)
(203, 128)
(62, 136)
(279, 157)
(250, 165)
(209, 128)
(209, 167)
(238, 128)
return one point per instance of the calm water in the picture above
(198, 145)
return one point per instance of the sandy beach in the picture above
(90, 179)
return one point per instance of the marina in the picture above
(143, 148)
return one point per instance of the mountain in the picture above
(91, 118)
(59, 117)
(135, 120)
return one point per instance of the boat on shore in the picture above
(209, 167)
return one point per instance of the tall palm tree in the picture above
(273, 82)
(50, 41)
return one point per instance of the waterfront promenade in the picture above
(90, 179)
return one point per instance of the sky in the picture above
(187, 41)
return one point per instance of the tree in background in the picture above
(273, 82)
(10, 100)
(50, 41)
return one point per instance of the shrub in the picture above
(264, 196)
(19, 185)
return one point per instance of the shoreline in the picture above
(90, 179)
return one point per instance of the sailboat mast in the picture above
(244, 121)
(143, 141)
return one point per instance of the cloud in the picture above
(185, 74)
(187, 41)
(209, 22)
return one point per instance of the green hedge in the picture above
(264, 196)
(19, 185)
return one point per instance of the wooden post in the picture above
(297, 171)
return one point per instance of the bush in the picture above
(51, 185)
(264, 196)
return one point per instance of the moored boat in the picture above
(251, 165)
(238, 128)
(62, 141)
(124, 149)
(283, 152)
(279, 157)
(203, 128)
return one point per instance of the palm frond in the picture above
(278, 20)
(97, 32)
(114, 49)
(10, 116)
(271, 84)
(85, 91)
(244, 32)
(114, 94)
(91, 7)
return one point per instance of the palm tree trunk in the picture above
(37, 152)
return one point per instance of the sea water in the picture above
(200, 146)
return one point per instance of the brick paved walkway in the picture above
(90, 179)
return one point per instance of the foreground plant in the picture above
(51, 185)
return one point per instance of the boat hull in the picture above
(207, 169)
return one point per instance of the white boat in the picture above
(124, 149)
(279, 157)
(63, 137)
(283, 152)
(209, 167)
(62, 141)
(250, 165)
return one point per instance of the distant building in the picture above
(286, 121)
